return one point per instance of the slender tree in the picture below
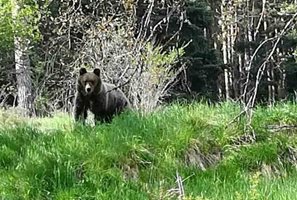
(22, 61)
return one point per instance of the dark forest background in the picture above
(156, 51)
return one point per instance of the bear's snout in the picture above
(88, 88)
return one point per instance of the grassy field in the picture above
(142, 157)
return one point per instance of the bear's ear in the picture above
(97, 71)
(82, 71)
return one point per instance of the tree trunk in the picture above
(22, 65)
(225, 47)
(281, 83)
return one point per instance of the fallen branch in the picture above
(278, 128)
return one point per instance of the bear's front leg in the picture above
(98, 119)
(102, 119)
(80, 112)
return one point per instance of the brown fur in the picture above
(102, 99)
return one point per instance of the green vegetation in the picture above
(138, 157)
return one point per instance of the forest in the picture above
(156, 51)
(211, 85)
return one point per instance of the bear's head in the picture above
(89, 82)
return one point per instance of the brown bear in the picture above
(104, 100)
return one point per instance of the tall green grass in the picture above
(138, 157)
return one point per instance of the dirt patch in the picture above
(195, 157)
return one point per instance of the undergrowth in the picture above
(139, 157)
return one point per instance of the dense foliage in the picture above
(221, 38)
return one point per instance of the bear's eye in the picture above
(83, 82)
